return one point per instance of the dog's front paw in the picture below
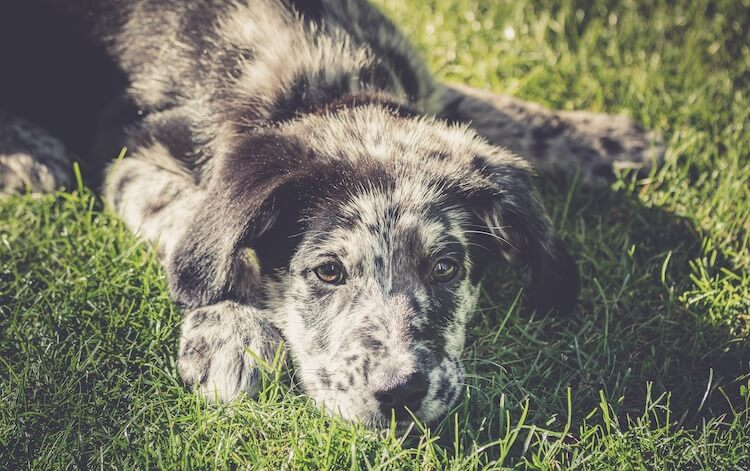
(602, 144)
(218, 350)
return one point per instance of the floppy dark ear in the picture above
(255, 194)
(507, 206)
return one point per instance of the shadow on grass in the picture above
(650, 329)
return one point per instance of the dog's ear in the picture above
(255, 196)
(514, 222)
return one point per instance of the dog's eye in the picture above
(443, 271)
(330, 273)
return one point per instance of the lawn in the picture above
(651, 371)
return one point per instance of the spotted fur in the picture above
(268, 138)
(593, 144)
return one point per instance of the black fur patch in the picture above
(119, 193)
(449, 111)
(367, 98)
(311, 10)
(325, 377)
(548, 130)
(196, 348)
(611, 145)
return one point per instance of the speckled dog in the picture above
(305, 179)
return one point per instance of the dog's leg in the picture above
(219, 342)
(30, 159)
(152, 196)
(568, 141)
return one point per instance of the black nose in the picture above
(406, 392)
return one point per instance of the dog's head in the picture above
(373, 230)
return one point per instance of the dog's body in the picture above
(294, 164)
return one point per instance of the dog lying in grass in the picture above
(306, 180)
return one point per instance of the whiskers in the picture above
(497, 237)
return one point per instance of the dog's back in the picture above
(68, 64)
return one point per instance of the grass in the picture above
(652, 371)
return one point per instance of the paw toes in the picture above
(219, 373)
(215, 350)
(194, 362)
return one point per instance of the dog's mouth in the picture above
(399, 420)
(377, 415)
(402, 416)
(405, 418)
(381, 413)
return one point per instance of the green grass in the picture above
(652, 371)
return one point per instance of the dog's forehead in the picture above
(368, 133)
(407, 219)
(402, 203)
(405, 184)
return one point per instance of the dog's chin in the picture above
(379, 421)
(427, 416)
(429, 413)
(358, 405)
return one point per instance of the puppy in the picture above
(305, 180)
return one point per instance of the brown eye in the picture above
(330, 273)
(443, 271)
